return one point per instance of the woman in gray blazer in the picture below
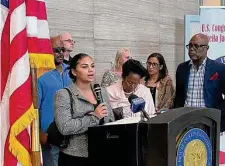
(86, 111)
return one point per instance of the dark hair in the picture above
(74, 62)
(162, 72)
(133, 66)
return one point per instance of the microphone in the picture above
(97, 90)
(98, 93)
(137, 105)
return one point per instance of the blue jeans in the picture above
(50, 155)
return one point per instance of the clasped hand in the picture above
(101, 111)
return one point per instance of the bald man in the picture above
(47, 85)
(200, 82)
(68, 44)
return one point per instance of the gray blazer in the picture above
(78, 123)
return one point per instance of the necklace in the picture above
(150, 81)
(128, 93)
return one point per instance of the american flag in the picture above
(25, 43)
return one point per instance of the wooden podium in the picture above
(179, 137)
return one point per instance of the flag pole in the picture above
(35, 138)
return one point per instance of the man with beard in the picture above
(200, 82)
(47, 85)
(68, 44)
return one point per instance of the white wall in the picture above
(100, 27)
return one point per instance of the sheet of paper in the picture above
(127, 120)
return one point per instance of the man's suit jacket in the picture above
(213, 87)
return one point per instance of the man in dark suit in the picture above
(200, 82)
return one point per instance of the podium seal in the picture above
(194, 148)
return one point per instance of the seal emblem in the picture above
(194, 149)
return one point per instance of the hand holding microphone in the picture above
(101, 111)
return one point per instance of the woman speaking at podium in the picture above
(85, 111)
(119, 92)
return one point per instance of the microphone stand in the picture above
(145, 114)
(142, 117)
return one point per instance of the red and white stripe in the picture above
(4, 99)
(37, 28)
(16, 97)
(222, 149)
(23, 29)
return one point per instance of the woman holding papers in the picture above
(132, 73)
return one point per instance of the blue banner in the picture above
(212, 23)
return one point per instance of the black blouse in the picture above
(153, 92)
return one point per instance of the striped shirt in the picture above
(195, 96)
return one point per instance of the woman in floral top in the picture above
(111, 76)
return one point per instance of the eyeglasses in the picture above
(154, 65)
(70, 41)
(195, 46)
(59, 49)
